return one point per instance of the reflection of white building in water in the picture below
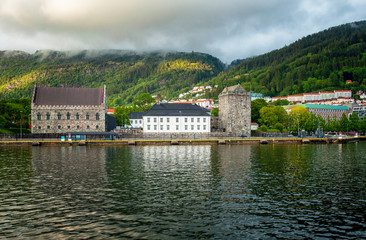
(190, 159)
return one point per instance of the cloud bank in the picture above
(228, 29)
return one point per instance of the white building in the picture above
(176, 118)
(343, 93)
(136, 119)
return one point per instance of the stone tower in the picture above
(235, 111)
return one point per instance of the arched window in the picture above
(68, 116)
(97, 127)
(48, 116)
(59, 116)
(97, 116)
(87, 116)
(77, 116)
(38, 116)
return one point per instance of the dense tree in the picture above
(354, 122)
(215, 112)
(143, 102)
(257, 105)
(270, 116)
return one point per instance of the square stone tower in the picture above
(235, 111)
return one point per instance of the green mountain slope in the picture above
(126, 74)
(321, 61)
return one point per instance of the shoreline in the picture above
(224, 141)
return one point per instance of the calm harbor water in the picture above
(184, 192)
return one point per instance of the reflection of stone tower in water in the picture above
(235, 110)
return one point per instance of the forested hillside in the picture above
(126, 74)
(321, 61)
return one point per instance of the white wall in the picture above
(176, 124)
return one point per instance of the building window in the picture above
(77, 116)
(59, 127)
(154, 119)
(87, 127)
(161, 120)
(87, 116)
(185, 119)
(168, 120)
(97, 127)
(148, 127)
(97, 116)
(39, 127)
(161, 127)
(185, 127)
(176, 119)
(148, 119)
(204, 120)
(140, 121)
(59, 116)
(155, 127)
(48, 116)
(167, 127)
(48, 127)
(68, 116)
(192, 127)
(177, 127)
(198, 120)
(204, 127)
(192, 119)
(38, 116)
(68, 127)
(198, 127)
(77, 126)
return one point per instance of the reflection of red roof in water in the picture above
(69, 96)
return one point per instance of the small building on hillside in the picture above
(235, 111)
(176, 118)
(136, 119)
(61, 110)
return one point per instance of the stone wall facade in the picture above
(235, 111)
(61, 119)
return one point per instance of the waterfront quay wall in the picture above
(227, 141)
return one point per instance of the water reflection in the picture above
(184, 192)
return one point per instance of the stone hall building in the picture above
(235, 111)
(61, 110)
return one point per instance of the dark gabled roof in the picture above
(136, 115)
(176, 109)
(69, 96)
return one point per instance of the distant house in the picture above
(60, 110)
(254, 126)
(136, 119)
(176, 118)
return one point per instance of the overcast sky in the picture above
(227, 29)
